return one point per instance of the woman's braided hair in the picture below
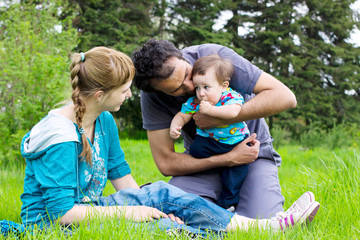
(100, 69)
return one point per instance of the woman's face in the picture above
(113, 100)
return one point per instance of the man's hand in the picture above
(204, 121)
(246, 152)
(205, 107)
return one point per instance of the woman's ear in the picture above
(99, 95)
(225, 85)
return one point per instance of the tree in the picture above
(332, 70)
(303, 44)
(34, 58)
(122, 25)
(191, 22)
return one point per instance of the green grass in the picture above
(333, 176)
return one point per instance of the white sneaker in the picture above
(303, 210)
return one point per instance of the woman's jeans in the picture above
(198, 214)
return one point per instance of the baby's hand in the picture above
(205, 107)
(175, 132)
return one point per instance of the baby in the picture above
(214, 97)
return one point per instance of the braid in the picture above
(79, 107)
(99, 69)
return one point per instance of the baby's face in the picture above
(207, 87)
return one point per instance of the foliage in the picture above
(281, 136)
(336, 137)
(122, 25)
(34, 57)
(118, 24)
(304, 44)
(192, 22)
(339, 136)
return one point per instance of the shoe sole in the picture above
(310, 212)
(313, 213)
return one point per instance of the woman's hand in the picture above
(177, 219)
(143, 213)
(147, 214)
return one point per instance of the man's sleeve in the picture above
(155, 115)
(245, 74)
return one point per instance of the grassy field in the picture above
(333, 176)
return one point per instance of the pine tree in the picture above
(303, 44)
(122, 25)
(192, 23)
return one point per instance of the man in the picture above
(163, 73)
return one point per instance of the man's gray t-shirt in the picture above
(158, 109)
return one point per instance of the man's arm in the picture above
(171, 163)
(272, 97)
(222, 112)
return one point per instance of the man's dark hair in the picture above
(149, 62)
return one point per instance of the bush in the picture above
(281, 136)
(34, 59)
(338, 136)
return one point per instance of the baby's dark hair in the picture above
(100, 69)
(150, 63)
(224, 69)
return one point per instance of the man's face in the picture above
(179, 83)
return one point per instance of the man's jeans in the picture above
(198, 214)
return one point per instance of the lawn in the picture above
(333, 176)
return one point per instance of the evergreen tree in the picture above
(303, 44)
(123, 25)
(331, 71)
(192, 22)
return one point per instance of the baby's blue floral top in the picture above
(228, 134)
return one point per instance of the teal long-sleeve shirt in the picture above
(56, 178)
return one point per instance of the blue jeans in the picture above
(231, 178)
(198, 214)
